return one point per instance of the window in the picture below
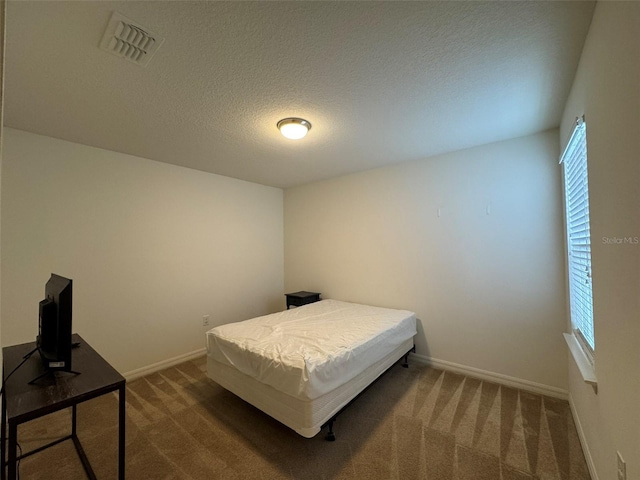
(576, 188)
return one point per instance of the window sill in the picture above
(586, 368)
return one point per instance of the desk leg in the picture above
(13, 440)
(3, 473)
(121, 430)
(73, 421)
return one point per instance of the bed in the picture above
(302, 366)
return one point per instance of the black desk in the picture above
(22, 402)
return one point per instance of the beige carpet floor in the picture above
(415, 423)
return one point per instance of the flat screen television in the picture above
(54, 324)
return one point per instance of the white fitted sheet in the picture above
(310, 351)
(306, 417)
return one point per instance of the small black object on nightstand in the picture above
(298, 299)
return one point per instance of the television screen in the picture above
(54, 325)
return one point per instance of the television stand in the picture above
(24, 401)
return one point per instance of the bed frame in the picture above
(331, 437)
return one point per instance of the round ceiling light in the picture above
(294, 128)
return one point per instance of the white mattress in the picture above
(310, 351)
(306, 417)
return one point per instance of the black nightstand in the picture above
(298, 299)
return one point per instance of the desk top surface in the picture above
(57, 390)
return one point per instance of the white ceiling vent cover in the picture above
(125, 38)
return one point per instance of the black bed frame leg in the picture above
(330, 435)
(405, 361)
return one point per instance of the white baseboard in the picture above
(583, 440)
(170, 362)
(494, 377)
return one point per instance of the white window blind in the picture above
(578, 235)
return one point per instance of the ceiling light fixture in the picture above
(294, 128)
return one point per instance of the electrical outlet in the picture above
(205, 321)
(622, 468)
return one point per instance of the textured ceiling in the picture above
(381, 82)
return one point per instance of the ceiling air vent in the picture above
(130, 40)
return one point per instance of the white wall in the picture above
(607, 90)
(487, 288)
(151, 247)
